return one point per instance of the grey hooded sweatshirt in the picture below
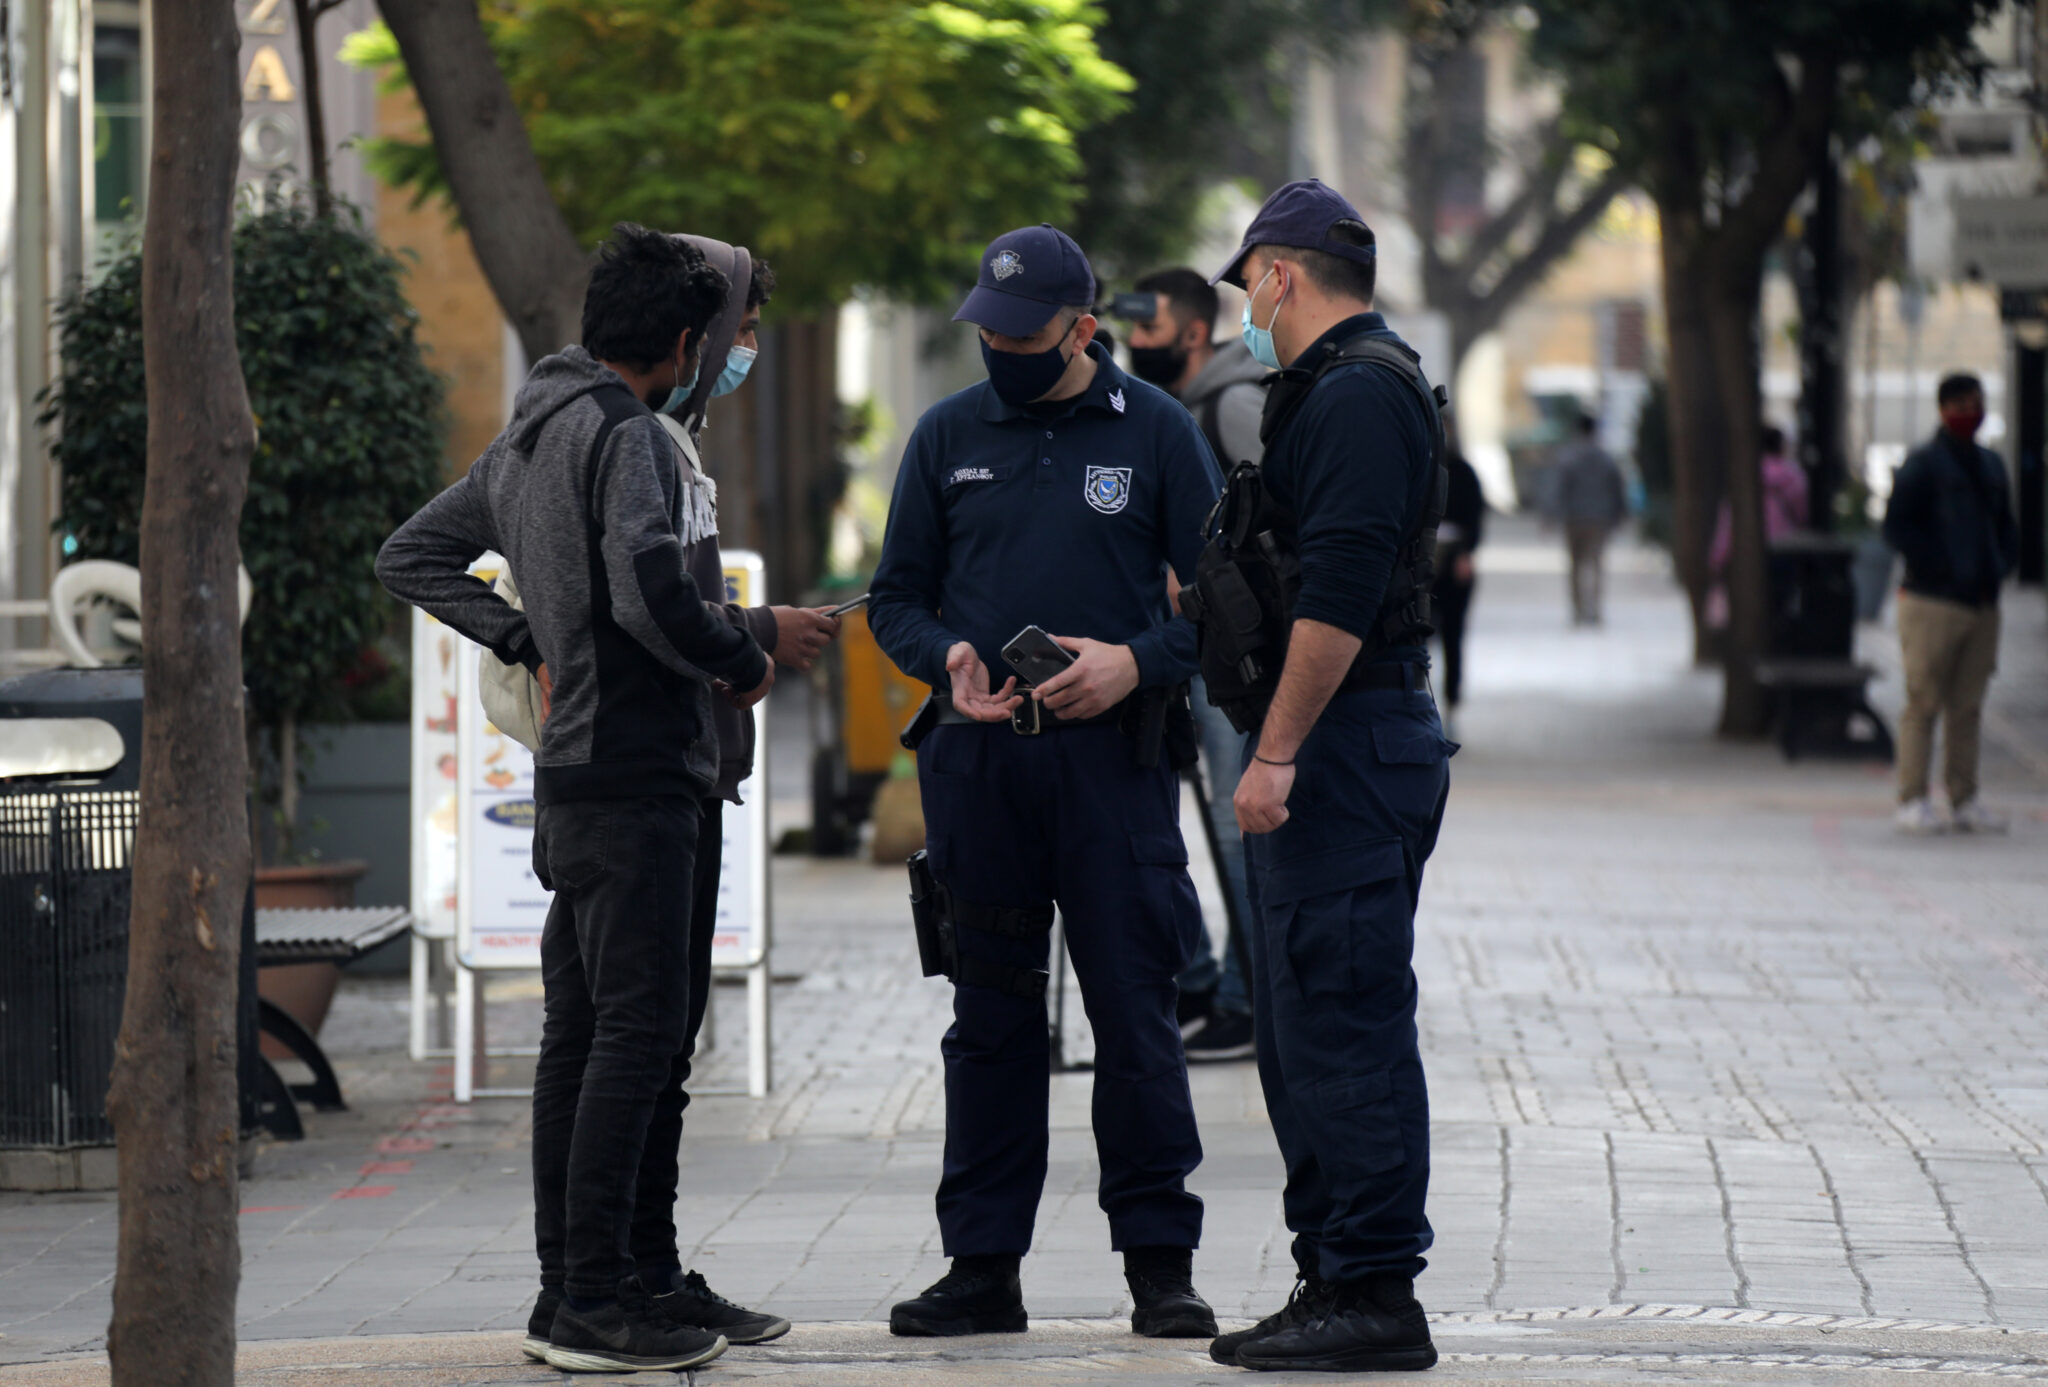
(1226, 399)
(736, 733)
(583, 495)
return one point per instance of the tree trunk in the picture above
(306, 19)
(173, 1098)
(1698, 431)
(1732, 302)
(523, 243)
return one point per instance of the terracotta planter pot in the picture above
(305, 990)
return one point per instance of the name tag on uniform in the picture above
(970, 474)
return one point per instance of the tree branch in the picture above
(1538, 193)
(1785, 162)
(531, 258)
(1555, 241)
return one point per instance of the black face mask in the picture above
(1159, 365)
(1021, 377)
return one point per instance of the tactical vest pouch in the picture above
(1241, 601)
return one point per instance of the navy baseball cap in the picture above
(1299, 215)
(1027, 275)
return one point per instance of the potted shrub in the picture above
(349, 443)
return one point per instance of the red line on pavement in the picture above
(399, 1146)
(387, 1168)
(365, 1192)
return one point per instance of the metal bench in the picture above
(1819, 701)
(315, 936)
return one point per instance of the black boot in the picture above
(1165, 1304)
(1304, 1303)
(980, 1295)
(1373, 1325)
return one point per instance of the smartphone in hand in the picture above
(1036, 656)
(844, 607)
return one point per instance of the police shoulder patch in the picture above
(1108, 489)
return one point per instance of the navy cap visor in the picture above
(1011, 315)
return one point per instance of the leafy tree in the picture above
(853, 143)
(349, 422)
(1726, 109)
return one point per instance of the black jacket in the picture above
(1950, 517)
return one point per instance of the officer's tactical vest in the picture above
(1249, 575)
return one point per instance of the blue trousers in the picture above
(1068, 818)
(1222, 762)
(1334, 890)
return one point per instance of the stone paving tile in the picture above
(1700, 1031)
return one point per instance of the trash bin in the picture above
(70, 780)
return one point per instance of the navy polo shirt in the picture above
(1065, 517)
(1353, 464)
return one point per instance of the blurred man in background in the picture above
(1590, 498)
(1951, 518)
(1224, 389)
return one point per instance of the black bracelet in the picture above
(1257, 757)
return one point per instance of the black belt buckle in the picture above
(1027, 719)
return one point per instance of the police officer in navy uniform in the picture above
(1054, 493)
(1344, 785)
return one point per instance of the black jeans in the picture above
(615, 968)
(654, 1203)
(1453, 602)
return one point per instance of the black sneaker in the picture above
(980, 1295)
(535, 1344)
(690, 1301)
(626, 1335)
(1226, 1036)
(1374, 1325)
(1304, 1303)
(1165, 1303)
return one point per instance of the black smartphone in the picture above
(844, 607)
(1036, 656)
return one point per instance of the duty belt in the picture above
(1027, 719)
(1385, 674)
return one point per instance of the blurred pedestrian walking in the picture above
(1590, 498)
(1224, 389)
(1785, 512)
(1950, 516)
(1458, 539)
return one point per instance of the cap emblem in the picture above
(1005, 264)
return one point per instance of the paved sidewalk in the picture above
(1701, 1032)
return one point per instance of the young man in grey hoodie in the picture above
(1223, 388)
(583, 496)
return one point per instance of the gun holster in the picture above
(938, 919)
(931, 915)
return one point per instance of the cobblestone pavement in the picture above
(1701, 1033)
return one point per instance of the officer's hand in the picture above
(547, 691)
(801, 635)
(751, 696)
(970, 687)
(1462, 566)
(1261, 799)
(1101, 677)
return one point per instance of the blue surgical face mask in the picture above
(738, 361)
(680, 396)
(1259, 340)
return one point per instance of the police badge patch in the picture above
(1108, 488)
(1006, 264)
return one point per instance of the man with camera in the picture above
(1033, 516)
(1313, 604)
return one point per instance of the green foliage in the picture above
(850, 142)
(349, 438)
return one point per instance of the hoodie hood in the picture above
(1231, 365)
(737, 265)
(556, 381)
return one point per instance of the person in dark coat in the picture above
(1457, 540)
